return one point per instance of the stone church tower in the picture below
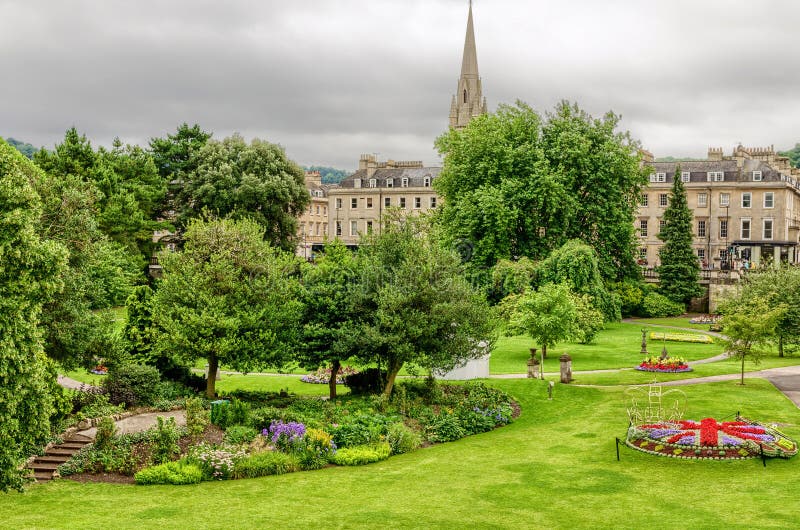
(468, 100)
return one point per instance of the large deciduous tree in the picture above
(548, 315)
(749, 327)
(239, 180)
(679, 271)
(515, 185)
(420, 308)
(30, 270)
(228, 297)
(174, 156)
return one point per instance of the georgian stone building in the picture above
(746, 208)
(313, 226)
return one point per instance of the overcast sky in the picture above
(331, 79)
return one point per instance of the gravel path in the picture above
(140, 422)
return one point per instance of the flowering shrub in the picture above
(710, 438)
(215, 463)
(285, 436)
(316, 450)
(670, 364)
(681, 337)
(323, 375)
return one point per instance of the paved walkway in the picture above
(140, 422)
(66, 382)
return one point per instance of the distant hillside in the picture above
(22, 147)
(793, 154)
(678, 159)
(330, 175)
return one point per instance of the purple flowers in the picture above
(661, 433)
(285, 435)
(687, 440)
(727, 440)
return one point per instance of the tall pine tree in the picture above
(679, 271)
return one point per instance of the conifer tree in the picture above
(679, 271)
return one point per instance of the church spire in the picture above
(468, 101)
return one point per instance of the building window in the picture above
(745, 232)
(369, 202)
(701, 253)
(353, 228)
(417, 202)
(404, 182)
(465, 95)
(701, 228)
(325, 229)
(756, 176)
(724, 199)
(433, 202)
(302, 228)
(643, 227)
(387, 202)
(356, 183)
(373, 183)
(769, 199)
(702, 200)
(716, 176)
(426, 182)
(338, 203)
(767, 228)
(338, 228)
(324, 210)
(644, 199)
(317, 209)
(369, 227)
(353, 203)
(390, 183)
(316, 229)
(402, 202)
(685, 176)
(643, 253)
(723, 229)
(661, 224)
(658, 177)
(662, 200)
(747, 200)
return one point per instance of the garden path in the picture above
(139, 422)
(72, 384)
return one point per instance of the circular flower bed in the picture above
(668, 365)
(323, 376)
(710, 439)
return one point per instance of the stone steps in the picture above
(44, 467)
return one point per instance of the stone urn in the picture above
(533, 365)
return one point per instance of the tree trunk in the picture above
(390, 377)
(332, 383)
(780, 346)
(544, 351)
(743, 357)
(211, 380)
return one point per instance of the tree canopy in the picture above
(679, 271)
(30, 268)
(228, 297)
(23, 147)
(793, 154)
(239, 180)
(516, 185)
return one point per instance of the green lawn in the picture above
(678, 322)
(617, 346)
(555, 467)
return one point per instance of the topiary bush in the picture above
(176, 473)
(265, 463)
(658, 305)
(361, 454)
(132, 384)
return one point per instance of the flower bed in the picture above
(711, 439)
(705, 319)
(681, 337)
(323, 376)
(668, 365)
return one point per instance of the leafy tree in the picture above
(139, 332)
(25, 148)
(547, 315)
(749, 326)
(256, 181)
(515, 185)
(29, 275)
(679, 272)
(330, 316)
(419, 308)
(174, 156)
(228, 297)
(588, 320)
(780, 287)
(512, 277)
(793, 154)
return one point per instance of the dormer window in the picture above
(356, 183)
(756, 176)
(404, 182)
(685, 176)
(390, 183)
(427, 182)
(716, 176)
(658, 177)
(373, 183)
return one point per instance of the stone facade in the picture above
(357, 206)
(313, 227)
(746, 208)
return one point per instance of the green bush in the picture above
(263, 464)
(361, 454)
(401, 439)
(658, 305)
(216, 463)
(234, 412)
(132, 384)
(316, 450)
(176, 473)
(240, 434)
(197, 416)
(444, 427)
(362, 429)
(106, 429)
(165, 440)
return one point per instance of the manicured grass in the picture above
(555, 467)
(275, 383)
(678, 322)
(85, 377)
(617, 346)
